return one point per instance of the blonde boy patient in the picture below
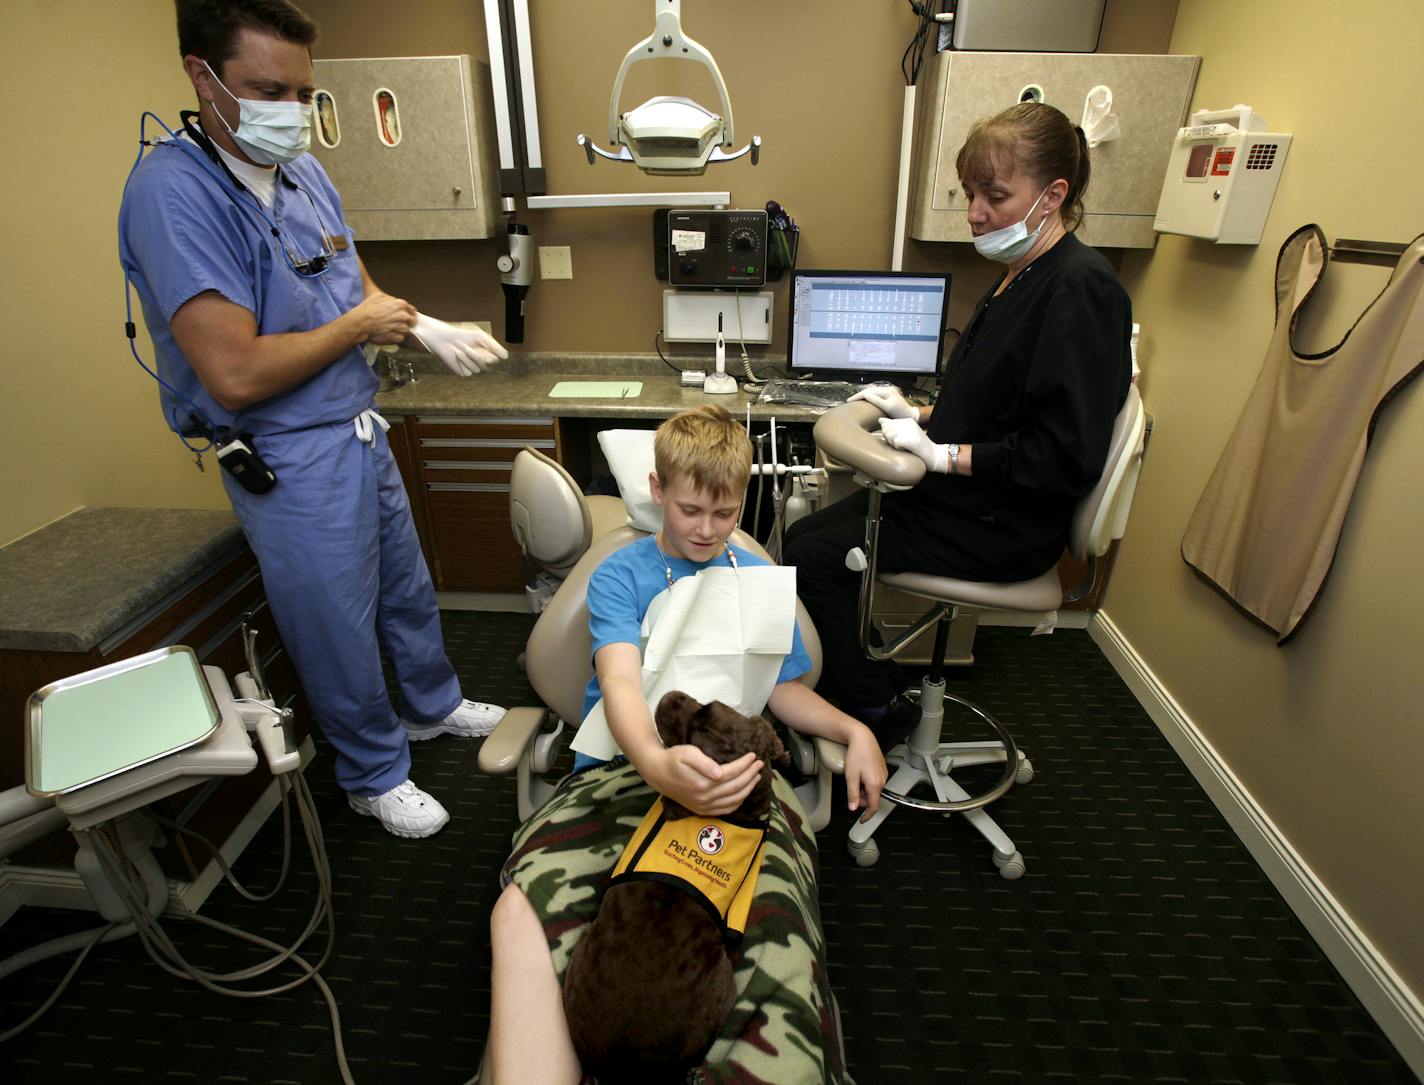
(702, 466)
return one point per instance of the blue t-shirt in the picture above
(625, 585)
(184, 229)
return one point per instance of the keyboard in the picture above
(807, 393)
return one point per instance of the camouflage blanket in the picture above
(784, 1028)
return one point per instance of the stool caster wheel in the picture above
(1010, 869)
(867, 854)
(1024, 773)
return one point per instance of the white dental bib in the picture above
(721, 635)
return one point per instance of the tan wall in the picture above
(79, 421)
(820, 84)
(1325, 733)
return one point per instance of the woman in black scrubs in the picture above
(1020, 430)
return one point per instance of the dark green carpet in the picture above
(1142, 945)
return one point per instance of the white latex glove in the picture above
(906, 435)
(464, 350)
(888, 401)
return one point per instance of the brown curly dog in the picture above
(650, 982)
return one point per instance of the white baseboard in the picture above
(1395, 1007)
(507, 602)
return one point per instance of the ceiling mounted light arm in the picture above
(670, 135)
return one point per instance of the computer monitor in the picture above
(864, 326)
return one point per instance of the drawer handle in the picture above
(479, 442)
(462, 420)
(468, 465)
(468, 487)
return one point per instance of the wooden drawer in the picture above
(465, 466)
(473, 540)
(519, 431)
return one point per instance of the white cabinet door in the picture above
(415, 157)
(1151, 95)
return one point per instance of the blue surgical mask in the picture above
(1011, 242)
(269, 133)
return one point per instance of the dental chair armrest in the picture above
(502, 748)
(832, 755)
(850, 434)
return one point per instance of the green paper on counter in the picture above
(597, 389)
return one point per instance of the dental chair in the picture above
(549, 508)
(559, 663)
(850, 435)
(553, 522)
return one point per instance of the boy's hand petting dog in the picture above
(688, 776)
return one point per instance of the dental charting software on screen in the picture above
(867, 322)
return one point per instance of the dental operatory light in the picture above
(666, 134)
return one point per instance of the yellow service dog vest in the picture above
(716, 860)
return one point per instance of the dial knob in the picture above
(506, 263)
(743, 239)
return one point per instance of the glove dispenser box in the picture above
(1150, 97)
(409, 143)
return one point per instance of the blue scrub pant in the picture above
(341, 564)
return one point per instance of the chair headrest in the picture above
(629, 453)
(547, 510)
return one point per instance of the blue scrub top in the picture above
(184, 229)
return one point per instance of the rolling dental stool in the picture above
(849, 434)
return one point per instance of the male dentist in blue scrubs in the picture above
(259, 309)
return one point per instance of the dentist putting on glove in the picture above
(1020, 430)
(259, 308)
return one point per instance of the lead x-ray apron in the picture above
(721, 635)
(1268, 524)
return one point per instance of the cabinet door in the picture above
(415, 157)
(402, 442)
(1151, 95)
(465, 465)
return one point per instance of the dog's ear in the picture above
(769, 745)
(674, 717)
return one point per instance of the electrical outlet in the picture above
(555, 262)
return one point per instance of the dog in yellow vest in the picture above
(650, 982)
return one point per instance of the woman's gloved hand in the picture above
(888, 401)
(464, 350)
(906, 435)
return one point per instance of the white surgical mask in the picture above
(1008, 244)
(269, 133)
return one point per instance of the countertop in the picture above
(73, 583)
(520, 386)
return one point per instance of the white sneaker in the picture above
(405, 810)
(471, 719)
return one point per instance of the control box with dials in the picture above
(712, 248)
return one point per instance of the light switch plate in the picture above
(555, 262)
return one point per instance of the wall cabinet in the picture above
(409, 143)
(1151, 95)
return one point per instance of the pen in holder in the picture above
(782, 237)
(781, 245)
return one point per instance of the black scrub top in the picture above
(1034, 384)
